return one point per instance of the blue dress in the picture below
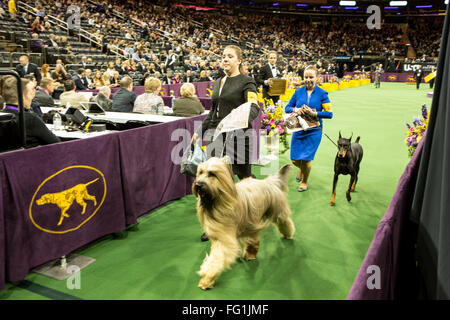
(304, 143)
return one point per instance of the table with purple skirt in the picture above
(123, 175)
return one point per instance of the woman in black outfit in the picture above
(229, 92)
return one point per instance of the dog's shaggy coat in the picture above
(230, 212)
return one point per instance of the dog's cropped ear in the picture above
(340, 134)
(351, 137)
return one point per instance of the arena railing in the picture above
(91, 38)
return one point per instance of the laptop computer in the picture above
(92, 107)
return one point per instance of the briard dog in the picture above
(231, 213)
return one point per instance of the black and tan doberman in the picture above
(347, 161)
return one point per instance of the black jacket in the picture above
(79, 83)
(418, 75)
(123, 101)
(36, 130)
(191, 78)
(32, 68)
(265, 74)
(234, 93)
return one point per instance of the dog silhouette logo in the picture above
(65, 199)
(49, 211)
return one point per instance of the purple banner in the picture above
(391, 77)
(384, 249)
(2, 229)
(54, 205)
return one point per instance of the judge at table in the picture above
(123, 100)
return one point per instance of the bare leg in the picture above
(297, 163)
(306, 170)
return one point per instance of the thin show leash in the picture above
(330, 139)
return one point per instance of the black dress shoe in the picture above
(204, 237)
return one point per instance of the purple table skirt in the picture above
(385, 247)
(131, 173)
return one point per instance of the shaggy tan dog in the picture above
(230, 212)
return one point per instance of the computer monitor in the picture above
(93, 107)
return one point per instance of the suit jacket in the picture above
(141, 68)
(187, 107)
(32, 68)
(265, 74)
(418, 76)
(85, 81)
(167, 80)
(79, 83)
(37, 131)
(43, 99)
(123, 101)
(189, 79)
(73, 98)
(121, 70)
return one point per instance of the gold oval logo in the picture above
(63, 200)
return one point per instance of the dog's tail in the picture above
(357, 140)
(283, 176)
(91, 182)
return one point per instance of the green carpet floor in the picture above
(159, 260)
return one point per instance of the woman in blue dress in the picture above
(304, 144)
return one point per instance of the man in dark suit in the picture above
(51, 41)
(43, 96)
(25, 67)
(78, 79)
(24, 18)
(123, 100)
(418, 75)
(167, 78)
(188, 77)
(140, 66)
(268, 72)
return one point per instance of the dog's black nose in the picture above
(199, 185)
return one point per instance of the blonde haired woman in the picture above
(188, 104)
(312, 100)
(106, 79)
(45, 71)
(150, 101)
(97, 79)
